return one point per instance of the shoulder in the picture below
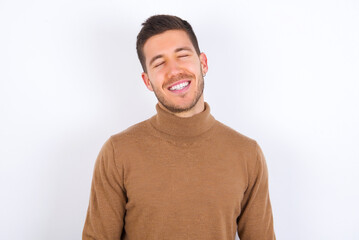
(239, 146)
(127, 143)
(245, 147)
(235, 138)
(130, 135)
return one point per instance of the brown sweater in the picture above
(179, 179)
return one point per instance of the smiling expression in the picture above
(175, 71)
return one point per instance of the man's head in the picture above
(158, 24)
(172, 63)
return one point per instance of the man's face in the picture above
(174, 70)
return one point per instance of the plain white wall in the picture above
(282, 72)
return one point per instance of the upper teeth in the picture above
(179, 86)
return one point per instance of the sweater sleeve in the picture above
(106, 210)
(256, 220)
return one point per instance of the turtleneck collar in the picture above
(171, 124)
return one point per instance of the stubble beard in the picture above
(177, 109)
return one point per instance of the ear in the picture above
(146, 80)
(204, 65)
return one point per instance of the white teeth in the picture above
(179, 86)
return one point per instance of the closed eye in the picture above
(159, 64)
(182, 56)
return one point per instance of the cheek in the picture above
(196, 66)
(156, 78)
(192, 67)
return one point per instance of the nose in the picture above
(173, 68)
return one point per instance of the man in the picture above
(180, 174)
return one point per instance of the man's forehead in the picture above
(170, 40)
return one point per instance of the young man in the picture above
(180, 174)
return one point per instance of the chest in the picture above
(193, 179)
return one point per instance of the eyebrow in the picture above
(177, 50)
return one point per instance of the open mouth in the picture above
(180, 86)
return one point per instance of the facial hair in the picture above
(172, 107)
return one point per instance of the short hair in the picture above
(158, 24)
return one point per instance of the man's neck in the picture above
(198, 108)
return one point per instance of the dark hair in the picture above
(158, 24)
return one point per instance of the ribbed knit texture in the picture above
(179, 179)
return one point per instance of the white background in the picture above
(282, 72)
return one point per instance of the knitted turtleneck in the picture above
(179, 178)
(172, 125)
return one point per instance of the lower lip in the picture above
(181, 90)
